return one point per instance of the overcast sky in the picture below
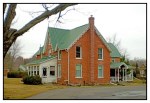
(127, 21)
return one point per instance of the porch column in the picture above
(115, 75)
(36, 70)
(33, 70)
(28, 70)
(118, 74)
(132, 74)
(123, 74)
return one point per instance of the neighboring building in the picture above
(22, 68)
(78, 56)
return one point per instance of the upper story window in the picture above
(78, 52)
(100, 53)
(59, 55)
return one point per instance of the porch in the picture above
(120, 72)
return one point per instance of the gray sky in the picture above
(127, 21)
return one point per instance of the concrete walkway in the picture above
(113, 92)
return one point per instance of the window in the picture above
(113, 60)
(78, 71)
(59, 70)
(59, 55)
(44, 71)
(52, 70)
(29, 71)
(78, 52)
(100, 53)
(100, 71)
(34, 70)
(37, 70)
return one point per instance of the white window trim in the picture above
(50, 70)
(102, 54)
(102, 72)
(59, 55)
(80, 53)
(81, 71)
(59, 75)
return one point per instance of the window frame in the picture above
(79, 52)
(80, 71)
(100, 54)
(59, 71)
(102, 68)
(50, 71)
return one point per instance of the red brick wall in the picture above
(84, 43)
(117, 59)
(64, 67)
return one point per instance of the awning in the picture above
(118, 65)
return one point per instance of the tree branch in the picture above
(41, 17)
(9, 17)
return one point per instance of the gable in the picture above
(63, 38)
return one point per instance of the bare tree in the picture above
(14, 51)
(117, 44)
(11, 34)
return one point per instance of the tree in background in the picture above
(11, 34)
(117, 44)
(13, 53)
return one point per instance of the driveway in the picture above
(113, 92)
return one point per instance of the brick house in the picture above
(78, 56)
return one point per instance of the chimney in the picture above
(91, 24)
(91, 21)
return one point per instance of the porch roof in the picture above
(117, 65)
(41, 60)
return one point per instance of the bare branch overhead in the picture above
(42, 17)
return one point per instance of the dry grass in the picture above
(14, 89)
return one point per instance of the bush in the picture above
(33, 80)
(16, 74)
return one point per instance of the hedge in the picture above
(16, 74)
(33, 80)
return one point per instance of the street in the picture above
(110, 92)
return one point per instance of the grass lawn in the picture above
(14, 89)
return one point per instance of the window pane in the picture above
(52, 70)
(78, 52)
(100, 53)
(78, 70)
(59, 70)
(100, 71)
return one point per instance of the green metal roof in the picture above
(39, 51)
(41, 60)
(114, 51)
(117, 64)
(64, 38)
